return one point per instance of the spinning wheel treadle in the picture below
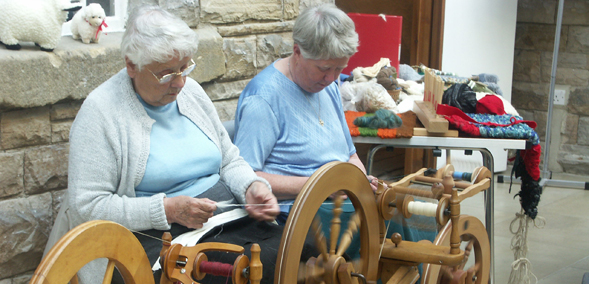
(329, 179)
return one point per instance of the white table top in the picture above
(465, 143)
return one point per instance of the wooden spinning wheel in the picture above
(329, 179)
(93, 240)
(472, 232)
(394, 260)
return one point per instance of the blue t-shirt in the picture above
(277, 127)
(182, 159)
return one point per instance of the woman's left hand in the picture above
(266, 205)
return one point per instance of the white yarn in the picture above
(422, 208)
(521, 267)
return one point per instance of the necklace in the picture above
(306, 97)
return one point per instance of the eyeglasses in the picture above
(169, 77)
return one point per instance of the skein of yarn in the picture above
(382, 118)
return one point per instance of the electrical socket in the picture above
(559, 97)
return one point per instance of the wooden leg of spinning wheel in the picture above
(74, 280)
(167, 242)
(255, 265)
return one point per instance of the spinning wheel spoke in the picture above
(110, 267)
(330, 266)
(348, 235)
(319, 237)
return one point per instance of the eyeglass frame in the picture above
(164, 79)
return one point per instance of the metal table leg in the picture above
(489, 196)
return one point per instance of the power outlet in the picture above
(559, 97)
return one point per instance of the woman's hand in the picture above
(188, 211)
(374, 183)
(258, 193)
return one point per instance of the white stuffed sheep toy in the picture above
(87, 23)
(37, 21)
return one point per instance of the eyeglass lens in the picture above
(169, 77)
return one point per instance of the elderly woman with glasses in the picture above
(148, 151)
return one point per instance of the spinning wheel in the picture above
(329, 179)
(93, 240)
(472, 232)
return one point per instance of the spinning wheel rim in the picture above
(330, 178)
(481, 248)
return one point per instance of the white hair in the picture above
(155, 35)
(325, 32)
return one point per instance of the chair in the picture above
(93, 240)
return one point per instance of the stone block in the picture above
(567, 76)
(574, 159)
(60, 131)
(527, 66)
(579, 101)
(228, 11)
(526, 114)
(538, 37)
(187, 10)
(70, 72)
(11, 174)
(24, 228)
(240, 58)
(575, 12)
(46, 168)
(537, 11)
(209, 59)
(583, 138)
(578, 39)
(540, 118)
(26, 127)
(65, 110)
(224, 91)
(226, 109)
(530, 96)
(57, 199)
(272, 47)
(255, 28)
(565, 60)
(22, 279)
(569, 129)
(290, 9)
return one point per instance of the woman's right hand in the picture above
(188, 211)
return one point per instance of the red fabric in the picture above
(490, 104)
(531, 159)
(459, 114)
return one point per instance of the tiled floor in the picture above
(558, 252)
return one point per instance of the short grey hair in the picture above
(325, 32)
(155, 35)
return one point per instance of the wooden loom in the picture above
(393, 261)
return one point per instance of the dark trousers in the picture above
(242, 232)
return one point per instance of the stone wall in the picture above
(41, 93)
(534, 45)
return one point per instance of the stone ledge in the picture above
(34, 78)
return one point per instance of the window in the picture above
(116, 15)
